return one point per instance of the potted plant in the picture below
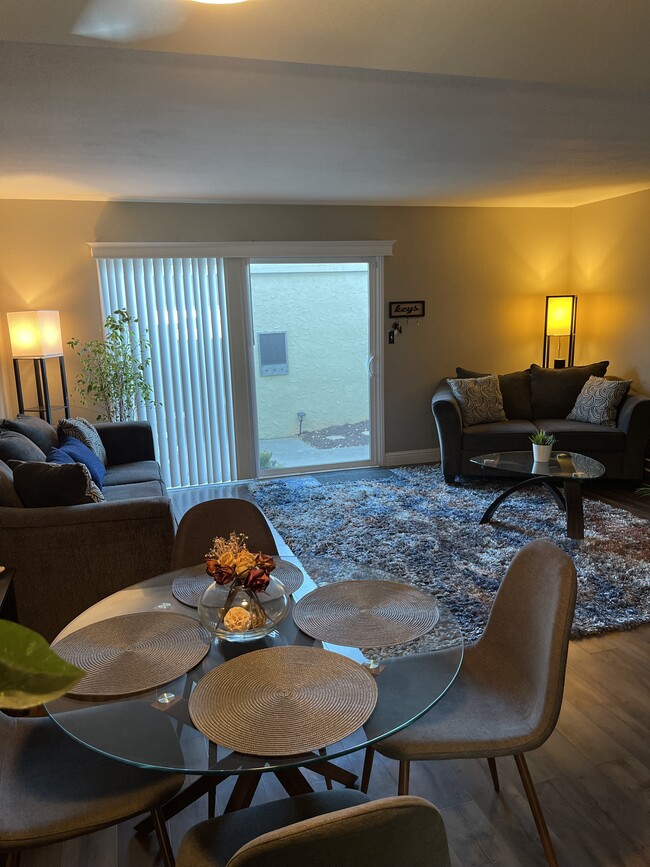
(112, 374)
(542, 444)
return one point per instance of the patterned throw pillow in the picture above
(41, 485)
(479, 399)
(598, 401)
(85, 432)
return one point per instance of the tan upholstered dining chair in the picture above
(52, 789)
(220, 517)
(507, 696)
(342, 828)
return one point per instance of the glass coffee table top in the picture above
(562, 465)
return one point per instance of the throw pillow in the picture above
(554, 391)
(41, 485)
(598, 401)
(15, 446)
(8, 495)
(58, 456)
(80, 453)
(35, 429)
(82, 430)
(515, 390)
(479, 399)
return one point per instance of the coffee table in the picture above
(562, 477)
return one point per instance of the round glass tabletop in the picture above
(154, 729)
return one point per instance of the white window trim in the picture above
(287, 251)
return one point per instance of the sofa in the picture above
(67, 557)
(541, 399)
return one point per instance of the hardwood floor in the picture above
(592, 775)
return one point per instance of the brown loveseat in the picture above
(66, 558)
(541, 398)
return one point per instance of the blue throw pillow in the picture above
(57, 456)
(83, 455)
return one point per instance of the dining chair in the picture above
(507, 696)
(52, 789)
(323, 829)
(220, 517)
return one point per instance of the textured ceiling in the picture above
(542, 102)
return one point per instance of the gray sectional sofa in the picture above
(541, 398)
(66, 558)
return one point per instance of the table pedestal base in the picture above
(569, 501)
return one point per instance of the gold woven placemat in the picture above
(135, 652)
(366, 613)
(283, 701)
(191, 584)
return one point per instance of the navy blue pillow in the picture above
(83, 455)
(57, 456)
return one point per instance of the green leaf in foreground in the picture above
(30, 672)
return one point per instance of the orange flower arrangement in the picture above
(229, 558)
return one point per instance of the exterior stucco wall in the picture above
(324, 311)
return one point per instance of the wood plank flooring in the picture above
(592, 775)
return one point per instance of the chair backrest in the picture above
(221, 517)
(529, 628)
(391, 832)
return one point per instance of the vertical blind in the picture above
(181, 309)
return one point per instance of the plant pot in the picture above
(541, 454)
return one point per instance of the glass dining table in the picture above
(154, 729)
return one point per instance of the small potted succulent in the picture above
(542, 444)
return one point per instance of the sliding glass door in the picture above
(313, 364)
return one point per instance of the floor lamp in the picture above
(36, 336)
(559, 330)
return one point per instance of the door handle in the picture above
(371, 365)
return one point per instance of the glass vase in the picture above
(234, 613)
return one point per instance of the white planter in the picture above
(541, 454)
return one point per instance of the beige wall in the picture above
(483, 272)
(610, 246)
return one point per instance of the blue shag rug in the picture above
(411, 524)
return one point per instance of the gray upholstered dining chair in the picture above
(220, 517)
(342, 828)
(52, 789)
(507, 696)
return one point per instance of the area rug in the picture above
(413, 525)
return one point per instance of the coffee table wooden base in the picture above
(569, 501)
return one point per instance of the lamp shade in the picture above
(559, 315)
(35, 333)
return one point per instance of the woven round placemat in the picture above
(191, 584)
(134, 652)
(366, 613)
(283, 701)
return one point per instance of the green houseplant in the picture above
(543, 443)
(112, 374)
(30, 672)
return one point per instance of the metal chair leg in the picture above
(403, 782)
(367, 769)
(495, 774)
(536, 810)
(163, 837)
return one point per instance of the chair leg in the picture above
(536, 810)
(495, 774)
(163, 837)
(367, 769)
(328, 780)
(403, 782)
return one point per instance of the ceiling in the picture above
(425, 102)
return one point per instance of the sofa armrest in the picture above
(449, 424)
(634, 420)
(67, 558)
(127, 441)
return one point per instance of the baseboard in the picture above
(418, 456)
